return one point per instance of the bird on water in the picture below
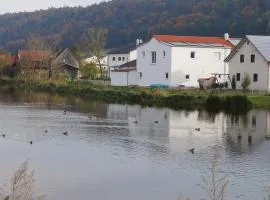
(192, 151)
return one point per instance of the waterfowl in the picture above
(65, 133)
(197, 129)
(192, 150)
(3, 135)
(31, 142)
(156, 122)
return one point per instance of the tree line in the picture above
(127, 20)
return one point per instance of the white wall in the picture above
(133, 55)
(178, 64)
(260, 67)
(124, 78)
(117, 62)
(206, 62)
(153, 73)
(132, 78)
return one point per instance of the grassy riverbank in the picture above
(229, 101)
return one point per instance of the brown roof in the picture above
(193, 39)
(34, 55)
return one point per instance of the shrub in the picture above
(233, 82)
(246, 82)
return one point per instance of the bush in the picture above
(246, 82)
(233, 82)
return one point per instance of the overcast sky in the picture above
(30, 5)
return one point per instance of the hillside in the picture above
(129, 19)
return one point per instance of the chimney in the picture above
(226, 36)
(137, 42)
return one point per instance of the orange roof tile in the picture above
(193, 39)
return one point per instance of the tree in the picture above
(96, 39)
(40, 54)
(89, 70)
(246, 82)
(233, 82)
(36, 44)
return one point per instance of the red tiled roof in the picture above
(193, 39)
(34, 55)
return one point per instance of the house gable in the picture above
(66, 58)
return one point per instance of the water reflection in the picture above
(129, 151)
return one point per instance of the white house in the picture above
(125, 75)
(181, 60)
(118, 57)
(251, 56)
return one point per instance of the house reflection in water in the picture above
(247, 130)
(181, 130)
(177, 130)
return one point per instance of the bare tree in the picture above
(36, 44)
(22, 185)
(214, 184)
(96, 40)
(43, 51)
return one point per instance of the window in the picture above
(167, 75)
(140, 75)
(164, 53)
(242, 58)
(192, 54)
(113, 58)
(217, 55)
(255, 77)
(123, 58)
(238, 77)
(154, 57)
(119, 58)
(252, 58)
(187, 76)
(143, 53)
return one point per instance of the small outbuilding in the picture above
(67, 62)
(125, 75)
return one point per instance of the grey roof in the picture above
(129, 66)
(234, 41)
(195, 44)
(262, 43)
(123, 50)
(66, 57)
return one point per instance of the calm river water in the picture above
(123, 152)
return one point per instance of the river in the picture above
(123, 152)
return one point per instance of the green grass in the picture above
(228, 101)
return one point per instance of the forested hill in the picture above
(127, 20)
